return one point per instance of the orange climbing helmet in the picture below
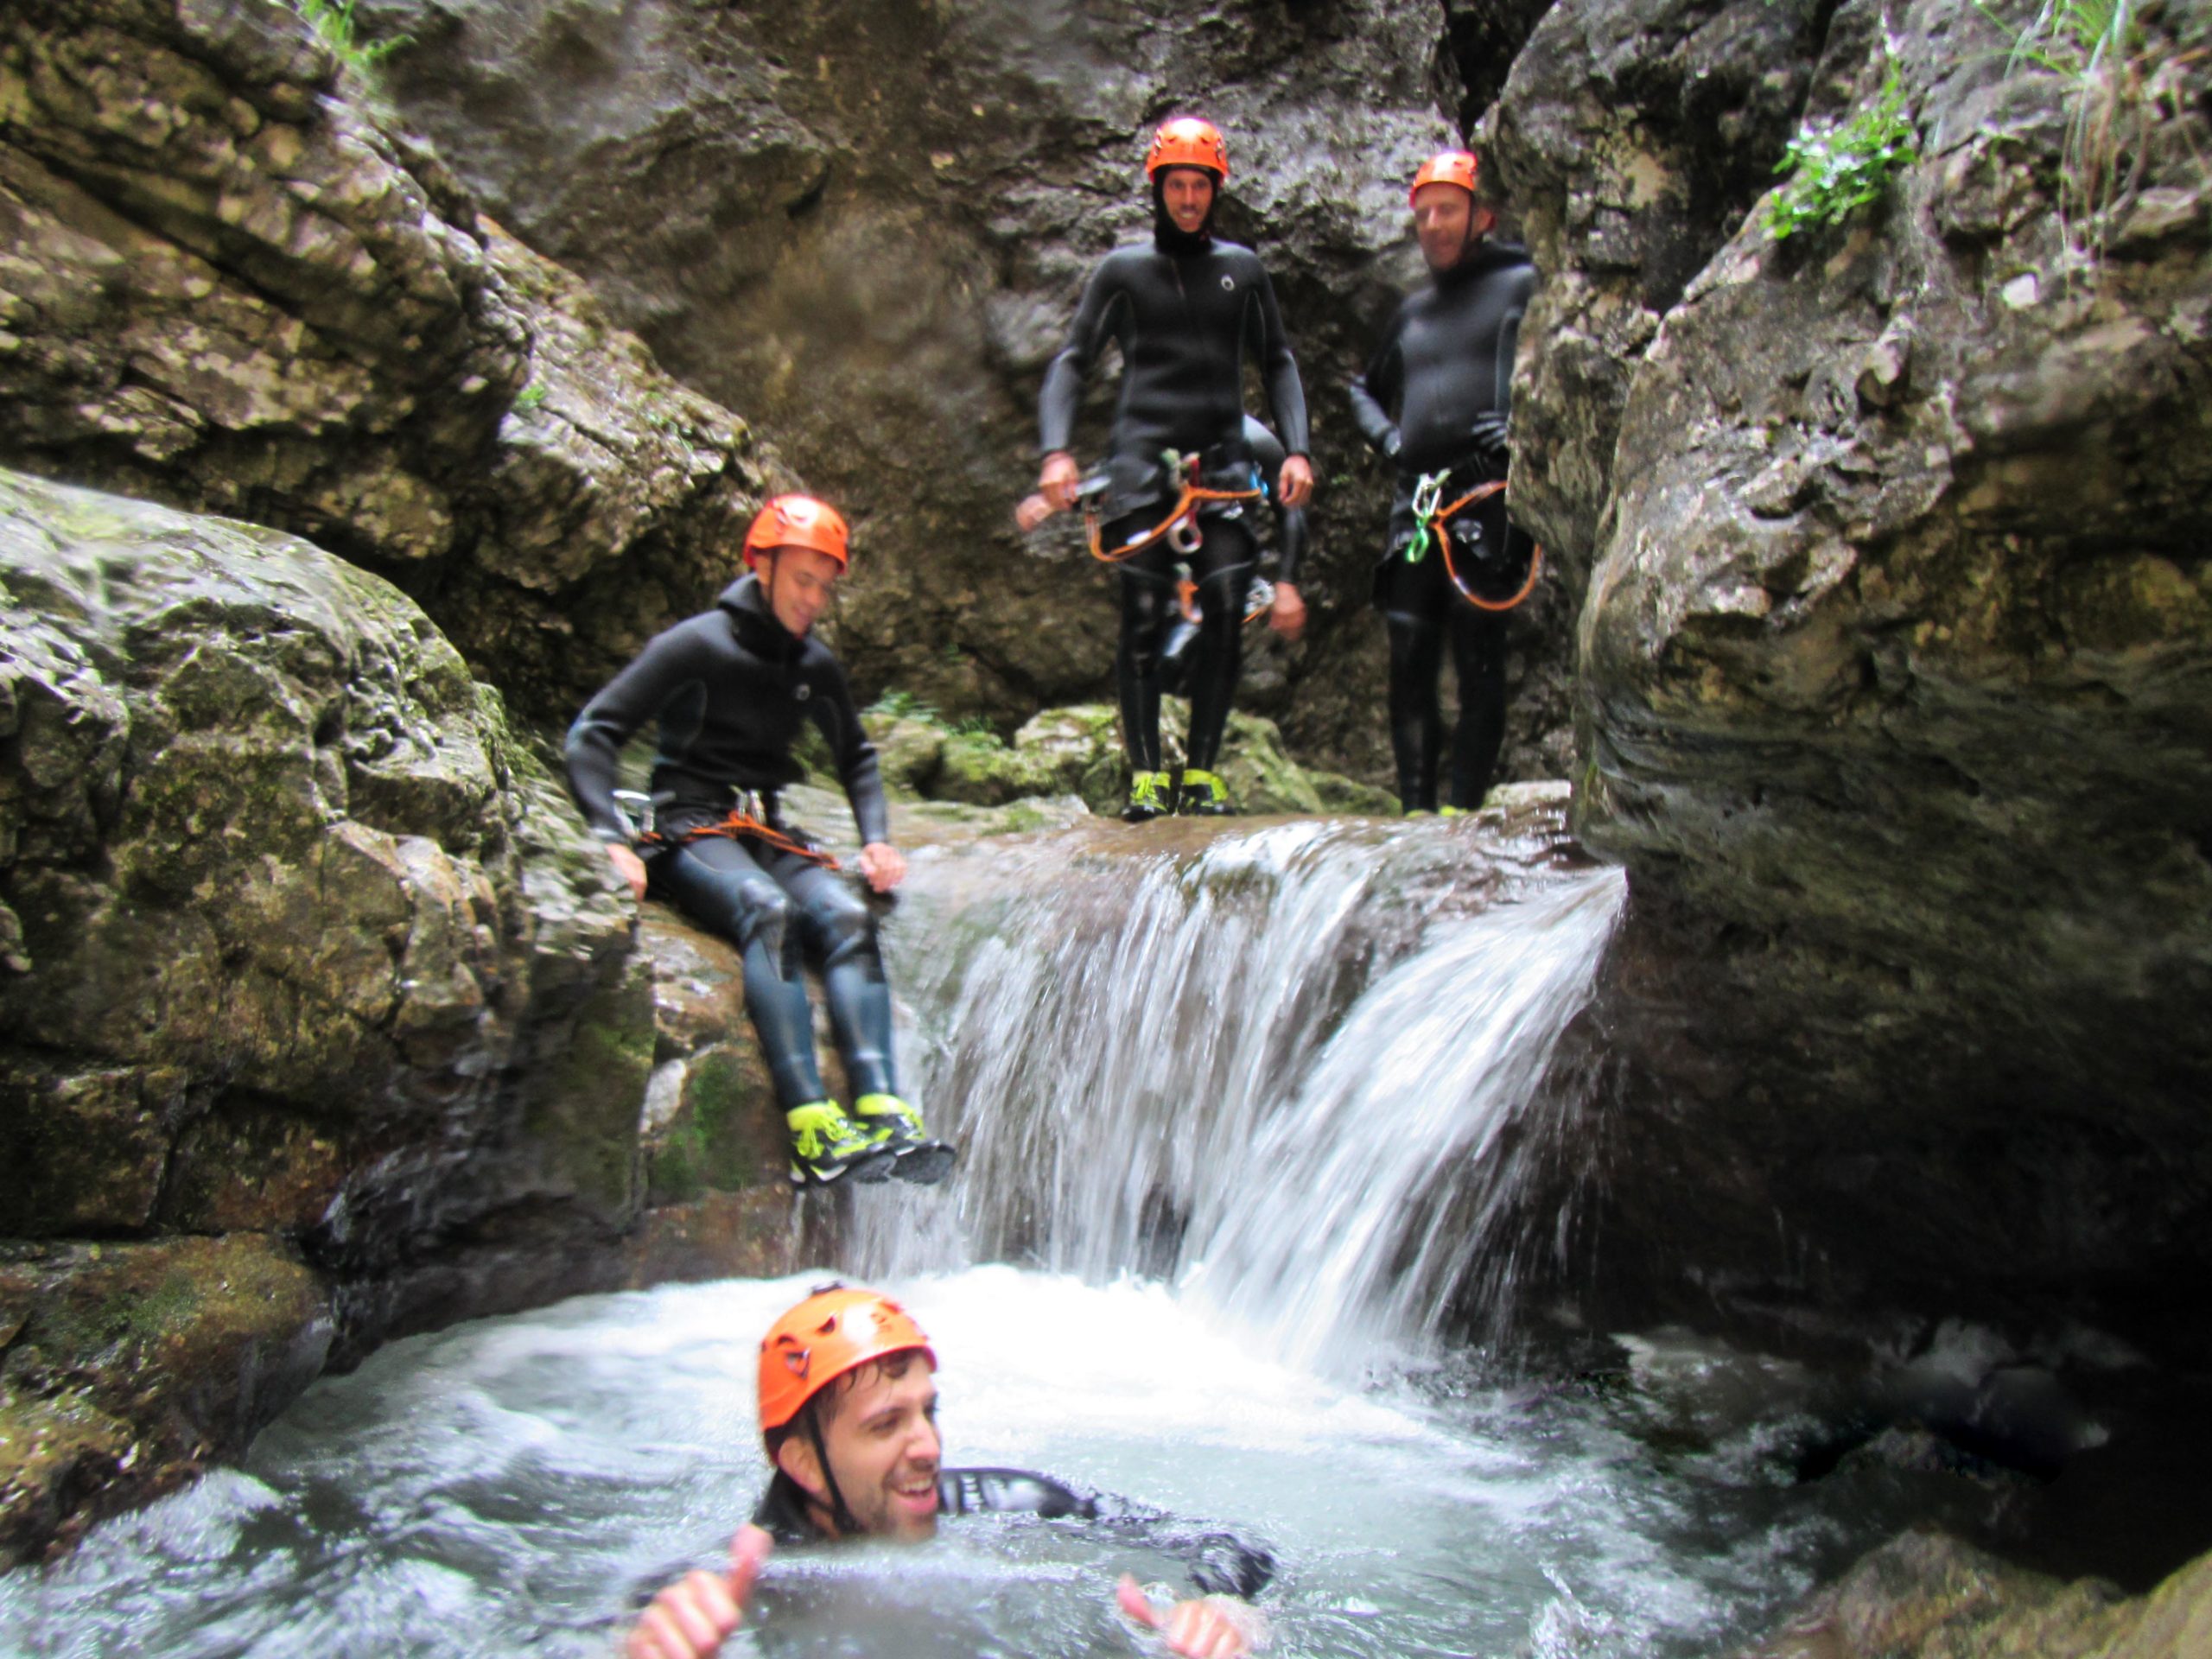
(1188, 142)
(1460, 167)
(831, 1332)
(798, 521)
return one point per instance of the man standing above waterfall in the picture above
(1434, 399)
(848, 1417)
(1182, 307)
(729, 690)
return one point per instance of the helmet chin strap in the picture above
(840, 1516)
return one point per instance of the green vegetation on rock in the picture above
(335, 23)
(1833, 171)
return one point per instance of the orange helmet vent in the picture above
(798, 521)
(831, 1332)
(1460, 167)
(1188, 142)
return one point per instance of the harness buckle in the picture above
(635, 808)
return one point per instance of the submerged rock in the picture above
(127, 1364)
(1928, 1596)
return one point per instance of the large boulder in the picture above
(866, 228)
(1629, 138)
(320, 1014)
(1898, 659)
(224, 284)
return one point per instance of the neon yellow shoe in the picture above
(1203, 795)
(894, 1126)
(1147, 798)
(826, 1145)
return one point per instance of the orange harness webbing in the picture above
(739, 826)
(1186, 510)
(1436, 520)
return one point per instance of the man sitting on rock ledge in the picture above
(729, 688)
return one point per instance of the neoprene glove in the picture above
(1393, 443)
(1489, 430)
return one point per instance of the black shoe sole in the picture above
(925, 1165)
(867, 1173)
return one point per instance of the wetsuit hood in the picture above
(746, 603)
(1170, 237)
(1484, 254)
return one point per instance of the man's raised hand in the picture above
(1211, 1627)
(693, 1616)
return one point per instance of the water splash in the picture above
(1283, 1067)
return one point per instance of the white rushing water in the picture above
(515, 1485)
(1284, 1072)
(1237, 1125)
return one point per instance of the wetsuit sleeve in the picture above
(1375, 393)
(1279, 372)
(854, 755)
(1220, 1563)
(1508, 336)
(662, 670)
(1290, 533)
(1103, 301)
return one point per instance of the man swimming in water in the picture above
(848, 1417)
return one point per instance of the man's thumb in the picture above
(1135, 1603)
(749, 1553)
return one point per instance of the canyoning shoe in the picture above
(827, 1147)
(1202, 795)
(896, 1128)
(1148, 797)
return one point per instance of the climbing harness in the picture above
(1180, 526)
(1433, 522)
(741, 824)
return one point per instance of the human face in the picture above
(1187, 193)
(1445, 219)
(880, 1434)
(800, 582)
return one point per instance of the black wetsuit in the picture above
(1446, 358)
(1184, 309)
(1220, 1563)
(730, 688)
(1290, 546)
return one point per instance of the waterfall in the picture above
(1285, 1069)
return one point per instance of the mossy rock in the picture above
(976, 767)
(128, 1365)
(712, 1125)
(909, 751)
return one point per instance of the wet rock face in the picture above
(223, 285)
(124, 1366)
(1926, 1592)
(866, 229)
(1898, 661)
(1629, 139)
(307, 965)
